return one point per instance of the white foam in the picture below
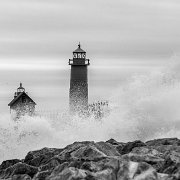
(146, 107)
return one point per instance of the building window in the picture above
(23, 99)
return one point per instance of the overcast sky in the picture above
(121, 38)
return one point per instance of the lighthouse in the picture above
(22, 104)
(78, 93)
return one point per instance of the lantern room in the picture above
(79, 57)
(20, 89)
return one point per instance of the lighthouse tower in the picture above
(78, 93)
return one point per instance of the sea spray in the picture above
(146, 107)
(152, 102)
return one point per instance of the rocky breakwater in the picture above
(111, 160)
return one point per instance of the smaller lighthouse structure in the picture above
(78, 93)
(22, 104)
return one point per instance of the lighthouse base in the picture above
(78, 97)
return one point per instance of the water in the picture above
(146, 107)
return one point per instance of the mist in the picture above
(145, 107)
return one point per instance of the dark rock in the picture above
(147, 154)
(107, 169)
(20, 177)
(130, 145)
(107, 149)
(111, 160)
(176, 176)
(58, 170)
(19, 168)
(145, 171)
(112, 141)
(119, 148)
(88, 153)
(95, 166)
(134, 170)
(66, 154)
(42, 175)
(162, 176)
(147, 150)
(90, 169)
(8, 163)
(171, 164)
(50, 165)
(76, 163)
(90, 166)
(87, 150)
(70, 173)
(165, 141)
(167, 149)
(155, 162)
(40, 157)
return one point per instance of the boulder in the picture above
(66, 153)
(40, 157)
(50, 165)
(17, 169)
(8, 163)
(137, 171)
(119, 148)
(105, 169)
(171, 164)
(155, 162)
(128, 147)
(70, 173)
(88, 153)
(106, 163)
(87, 150)
(164, 141)
(147, 150)
(147, 154)
(88, 160)
(59, 169)
(107, 149)
(113, 142)
(102, 175)
(42, 175)
(166, 149)
(162, 176)
(176, 176)
(20, 177)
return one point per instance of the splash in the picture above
(146, 107)
(151, 102)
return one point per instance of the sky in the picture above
(121, 37)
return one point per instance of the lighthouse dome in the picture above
(79, 50)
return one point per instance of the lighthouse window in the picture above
(75, 55)
(83, 55)
(79, 55)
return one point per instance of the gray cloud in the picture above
(118, 27)
(121, 37)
